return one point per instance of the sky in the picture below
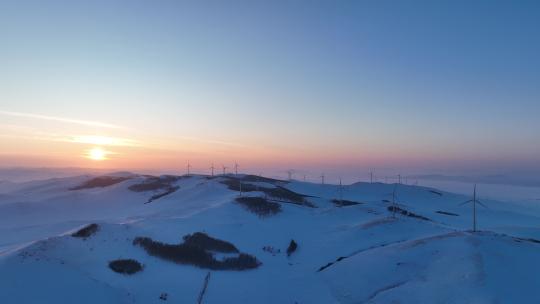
(342, 87)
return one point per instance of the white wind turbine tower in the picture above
(371, 177)
(212, 168)
(188, 167)
(239, 187)
(322, 178)
(239, 180)
(224, 169)
(340, 191)
(474, 201)
(394, 204)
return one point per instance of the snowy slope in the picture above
(458, 267)
(349, 254)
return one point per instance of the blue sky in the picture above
(437, 85)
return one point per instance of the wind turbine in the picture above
(474, 201)
(371, 177)
(212, 167)
(290, 173)
(235, 168)
(188, 167)
(322, 178)
(224, 169)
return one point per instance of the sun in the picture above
(96, 154)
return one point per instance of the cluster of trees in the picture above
(198, 250)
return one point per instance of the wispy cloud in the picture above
(32, 133)
(176, 142)
(104, 141)
(61, 119)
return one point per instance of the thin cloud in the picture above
(61, 119)
(26, 132)
(105, 141)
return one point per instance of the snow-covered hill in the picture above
(349, 247)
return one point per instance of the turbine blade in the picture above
(481, 204)
(465, 202)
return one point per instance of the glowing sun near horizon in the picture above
(97, 154)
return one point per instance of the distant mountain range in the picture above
(25, 174)
(525, 180)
